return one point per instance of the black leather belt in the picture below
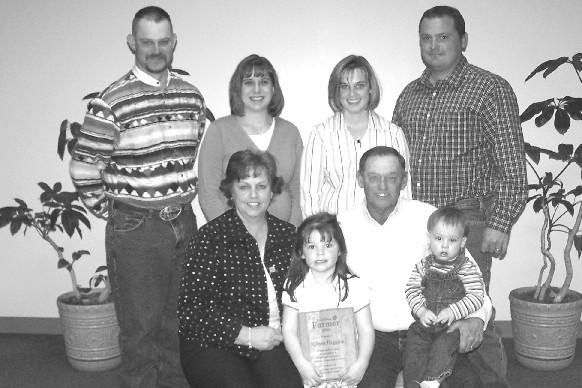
(168, 213)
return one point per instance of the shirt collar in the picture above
(373, 123)
(454, 78)
(372, 220)
(148, 79)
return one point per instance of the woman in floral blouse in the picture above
(230, 296)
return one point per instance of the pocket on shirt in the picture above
(461, 134)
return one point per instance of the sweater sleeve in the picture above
(413, 289)
(295, 183)
(96, 142)
(210, 173)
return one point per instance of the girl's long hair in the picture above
(327, 226)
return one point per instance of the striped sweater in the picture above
(138, 144)
(468, 273)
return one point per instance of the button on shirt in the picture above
(384, 257)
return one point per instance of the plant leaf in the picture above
(101, 268)
(538, 204)
(533, 152)
(78, 254)
(91, 96)
(534, 109)
(545, 116)
(541, 67)
(180, 71)
(554, 65)
(576, 191)
(561, 121)
(63, 263)
(62, 139)
(577, 62)
(565, 151)
(70, 222)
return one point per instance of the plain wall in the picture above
(55, 52)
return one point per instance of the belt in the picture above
(481, 203)
(168, 213)
(398, 333)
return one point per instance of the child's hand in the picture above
(354, 374)
(426, 317)
(309, 373)
(446, 317)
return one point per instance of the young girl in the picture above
(319, 279)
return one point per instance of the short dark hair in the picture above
(444, 10)
(450, 216)
(349, 64)
(243, 70)
(381, 151)
(152, 12)
(248, 163)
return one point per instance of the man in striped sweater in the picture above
(133, 166)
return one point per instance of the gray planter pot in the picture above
(91, 335)
(544, 333)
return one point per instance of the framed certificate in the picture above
(328, 340)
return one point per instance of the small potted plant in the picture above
(545, 318)
(87, 314)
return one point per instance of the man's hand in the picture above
(495, 243)
(471, 331)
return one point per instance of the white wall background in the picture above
(55, 52)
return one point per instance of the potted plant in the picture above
(545, 319)
(87, 314)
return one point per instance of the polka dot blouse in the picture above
(224, 286)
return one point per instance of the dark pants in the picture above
(220, 368)
(387, 361)
(144, 259)
(489, 359)
(429, 355)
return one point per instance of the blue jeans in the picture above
(144, 259)
(387, 358)
(489, 359)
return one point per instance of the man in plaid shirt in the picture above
(466, 146)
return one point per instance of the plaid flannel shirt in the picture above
(465, 141)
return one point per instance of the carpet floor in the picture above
(39, 361)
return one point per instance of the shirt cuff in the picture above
(484, 313)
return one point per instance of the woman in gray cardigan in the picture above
(256, 101)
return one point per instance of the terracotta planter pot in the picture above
(91, 335)
(544, 333)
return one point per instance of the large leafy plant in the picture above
(559, 201)
(60, 212)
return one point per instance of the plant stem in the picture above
(44, 234)
(567, 258)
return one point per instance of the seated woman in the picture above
(230, 295)
(256, 101)
(330, 160)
